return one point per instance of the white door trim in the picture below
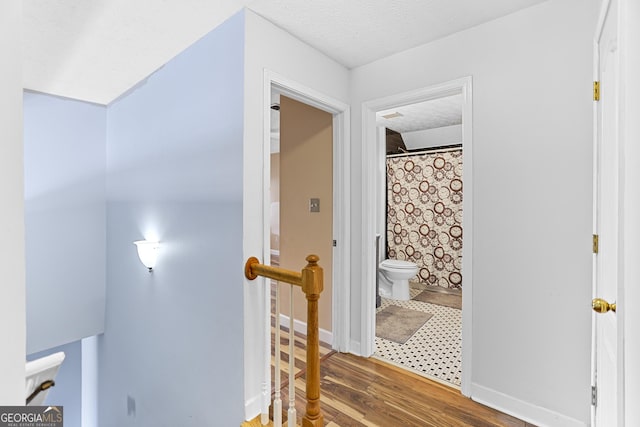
(341, 192)
(369, 166)
(630, 132)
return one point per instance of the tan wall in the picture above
(275, 198)
(306, 171)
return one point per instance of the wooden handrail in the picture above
(311, 281)
(46, 385)
(253, 269)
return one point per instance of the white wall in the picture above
(532, 199)
(12, 260)
(268, 47)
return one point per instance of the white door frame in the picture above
(341, 194)
(369, 193)
(630, 134)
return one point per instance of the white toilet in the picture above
(393, 276)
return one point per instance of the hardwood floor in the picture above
(357, 391)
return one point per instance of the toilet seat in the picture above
(397, 264)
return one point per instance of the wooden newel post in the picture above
(312, 285)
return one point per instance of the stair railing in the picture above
(310, 279)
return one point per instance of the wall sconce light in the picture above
(148, 253)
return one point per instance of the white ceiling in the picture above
(97, 50)
(406, 119)
(425, 115)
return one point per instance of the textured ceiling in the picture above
(97, 50)
(356, 32)
(423, 115)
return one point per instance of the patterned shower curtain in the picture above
(424, 214)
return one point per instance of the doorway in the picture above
(420, 225)
(276, 86)
(301, 200)
(372, 196)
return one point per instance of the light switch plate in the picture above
(314, 205)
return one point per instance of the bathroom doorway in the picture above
(422, 169)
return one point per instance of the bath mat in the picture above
(453, 300)
(398, 324)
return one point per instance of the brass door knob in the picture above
(601, 306)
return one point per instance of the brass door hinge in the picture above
(596, 91)
(595, 243)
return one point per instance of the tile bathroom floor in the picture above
(435, 350)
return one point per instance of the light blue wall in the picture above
(68, 389)
(65, 203)
(172, 352)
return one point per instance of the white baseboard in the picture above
(354, 348)
(525, 411)
(301, 327)
(252, 407)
